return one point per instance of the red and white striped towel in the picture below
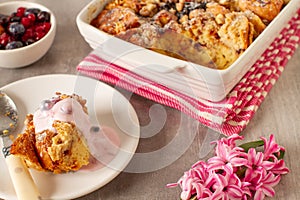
(229, 116)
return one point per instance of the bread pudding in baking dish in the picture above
(213, 33)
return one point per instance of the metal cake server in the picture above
(24, 185)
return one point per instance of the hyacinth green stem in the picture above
(281, 155)
(259, 143)
(254, 144)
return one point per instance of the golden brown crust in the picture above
(43, 141)
(257, 22)
(24, 146)
(111, 22)
(265, 9)
(236, 31)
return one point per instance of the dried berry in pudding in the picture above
(23, 27)
(185, 9)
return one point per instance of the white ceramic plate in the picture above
(111, 109)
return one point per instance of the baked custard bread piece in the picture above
(59, 148)
(62, 151)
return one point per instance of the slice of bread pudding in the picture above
(53, 138)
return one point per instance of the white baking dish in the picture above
(189, 78)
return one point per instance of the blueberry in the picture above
(15, 19)
(14, 45)
(16, 29)
(35, 11)
(168, 5)
(94, 129)
(46, 105)
(4, 20)
(43, 16)
(29, 41)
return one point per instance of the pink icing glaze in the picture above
(67, 110)
(104, 145)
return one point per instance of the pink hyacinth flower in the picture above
(265, 187)
(270, 147)
(230, 141)
(194, 181)
(279, 167)
(226, 157)
(256, 165)
(227, 187)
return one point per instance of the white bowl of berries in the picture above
(27, 31)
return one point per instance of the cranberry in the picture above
(5, 38)
(4, 41)
(26, 22)
(46, 26)
(39, 28)
(29, 34)
(31, 17)
(39, 35)
(20, 11)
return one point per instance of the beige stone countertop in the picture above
(279, 114)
